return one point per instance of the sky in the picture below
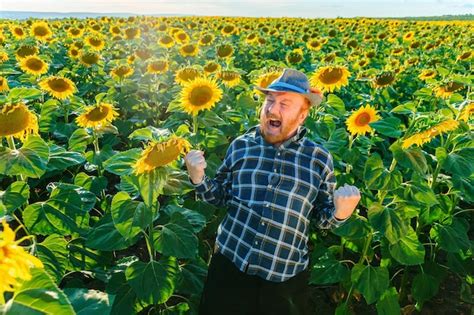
(251, 8)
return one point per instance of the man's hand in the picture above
(346, 199)
(195, 163)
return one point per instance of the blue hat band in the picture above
(288, 86)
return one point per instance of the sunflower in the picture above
(132, 33)
(229, 30)
(34, 65)
(294, 56)
(58, 87)
(200, 94)
(445, 91)
(157, 66)
(206, 39)
(25, 51)
(211, 67)
(18, 121)
(314, 45)
(189, 50)
(3, 56)
(397, 51)
(122, 71)
(89, 58)
(41, 30)
(115, 30)
(15, 262)
(18, 32)
(95, 43)
(182, 37)
(265, 79)
(186, 74)
(73, 52)
(427, 74)
(465, 55)
(166, 41)
(427, 135)
(383, 79)
(224, 51)
(409, 36)
(330, 78)
(4, 84)
(229, 78)
(251, 39)
(158, 154)
(466, 112)
(358, 121)
(143, 53)
(75, 32)
(97, 116)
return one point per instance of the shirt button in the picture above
(278, 153)
(275, 170)
(263, 223)
(256, 242)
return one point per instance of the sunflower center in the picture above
(188, 74)
(162, 155)
(166, 40)
(158, 66)
(58, 85)
(453, 86)
(189, 49)
(90, 58)
(34, 64)
(331, 76)
(75, 32)
(200, 95)
(19, 31)
(98, 113)
(13, 119)
(40, 31)
(362, 119)
(224, 51)
(95, 42)
(384, 79)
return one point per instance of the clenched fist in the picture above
(346, 199)
(195, 163)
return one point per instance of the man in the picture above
(274, 181)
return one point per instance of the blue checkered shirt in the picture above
(271, 194)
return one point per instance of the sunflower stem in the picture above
(66, 113)
(96, 151)
(11, 145)
(151, 185)
(195, 131)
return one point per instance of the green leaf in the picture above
(48, 116)
(461, 162)
(53, 254)
(122, 163)
(104, 236)
(88, 199)
(389, 127)
(151, 185)
(355, 227)
(452, 238)
(14, 196)
(177, 184)
(193, 275)
(370, 281)
(424, 287)
(30, 160)
(40, 295)
(466, 186)
(410, 158)
(176, 238)
(336, 104)
(388, 303)
(60, 159)
(194, 218)
(129, 217)
(91, 183)
(155, 281)
(84, 258)
(89, 302)
(62, 213)
(79, 140)
(374, 172)
(149, 133)
(125, 297)
(387, 221)
(22, 93)
(408, 250)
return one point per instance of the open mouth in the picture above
(274, 123)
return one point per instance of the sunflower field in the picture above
(97, 212)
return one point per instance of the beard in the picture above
(274, 133)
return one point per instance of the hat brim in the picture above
(313, 98)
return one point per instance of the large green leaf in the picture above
(30, 160)
(155, 281)
(389, 127)
(374, 172)
(79, 140)
(355, 227)
(424, 287)
(193, 275)
(48, 115)
(197, 220)
(104, 236)
(82, 257)
(387, 221)
(14, 197)
(408, 250)
(177, 184)
(40, 295)
(60, 159)
(129, 217)
(460, 162)
(388, 303)
(125, 297)
(410, 158)
(89, 302)
(452, 238)
(23, 93)
(122, 163)
(335, 104)
(370, 281)
(63, 213)
(54, 255)
(151, 185)
(177, 238)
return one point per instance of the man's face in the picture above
(281, 115)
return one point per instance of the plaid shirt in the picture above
(270, 193)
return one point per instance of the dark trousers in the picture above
(228, 291)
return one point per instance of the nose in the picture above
(272, 108)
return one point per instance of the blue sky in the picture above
(274, 8)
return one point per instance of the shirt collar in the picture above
(297, 138)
